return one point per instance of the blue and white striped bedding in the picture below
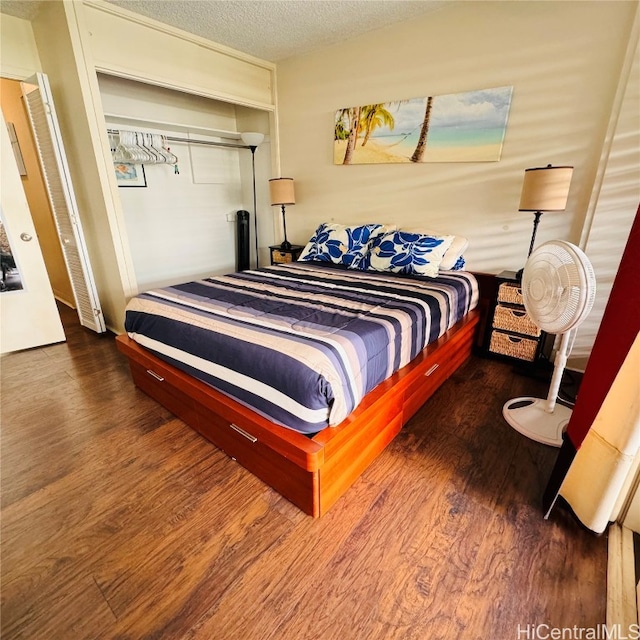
(301, 343)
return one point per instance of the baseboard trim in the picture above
(64, 301)
(622, 598)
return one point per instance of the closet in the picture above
(156, 79)
(180, 218)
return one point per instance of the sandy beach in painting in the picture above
(370, 154)
(374, 153)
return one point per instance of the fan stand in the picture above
(530, 417)
(542, 420)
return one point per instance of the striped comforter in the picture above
(301, 344)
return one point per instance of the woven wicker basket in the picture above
(280, 257)
(515, 320)
(508, 292)
(513, 346)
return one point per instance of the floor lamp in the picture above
(544, 189)
(253, 140)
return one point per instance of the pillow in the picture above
(341, 244)
(455, 251)
(459, 265)
(405, 252)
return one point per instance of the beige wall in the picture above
(19, 57)
(563, 60)
(171, 58)
(35, 191)
(74, 85)
(615, 202)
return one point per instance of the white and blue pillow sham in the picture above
(340, 244)
(407, 252)
(382, 247)
(453, 254)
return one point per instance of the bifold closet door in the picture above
(42, 115)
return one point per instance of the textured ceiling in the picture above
(268, 29)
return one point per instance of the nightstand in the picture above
(511, 334)
(281, 256)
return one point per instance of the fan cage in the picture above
(558, 286)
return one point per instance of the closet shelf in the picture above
(116, 120)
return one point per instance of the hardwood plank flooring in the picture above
(120, 522)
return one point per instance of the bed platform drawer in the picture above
(425, 378)
(238, 441)
(154, 382)
(243, 446)
(429, 380)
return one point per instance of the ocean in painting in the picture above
(444, 137)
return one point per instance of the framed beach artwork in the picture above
(130, 175)
(457, 127)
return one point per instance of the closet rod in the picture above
(194, 141)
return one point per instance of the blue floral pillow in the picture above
(406, 252)
(341, 244)
(459, 265)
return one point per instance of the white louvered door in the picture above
(42, 114)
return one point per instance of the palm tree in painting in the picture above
(354, 126)
(422, 140)
(374, 116)
(341, 131)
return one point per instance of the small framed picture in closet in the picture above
(130, 175)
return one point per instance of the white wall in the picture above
(563, 60)
(178, 229)
(181, 225)
(177, 225)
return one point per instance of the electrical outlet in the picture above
(231, 217)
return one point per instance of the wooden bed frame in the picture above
(312, 472)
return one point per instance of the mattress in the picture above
(300, 343)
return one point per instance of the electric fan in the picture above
(558, 289)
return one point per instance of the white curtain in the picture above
(602, 480)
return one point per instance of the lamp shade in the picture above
(281, 191)
(252, 139)
(545, 188)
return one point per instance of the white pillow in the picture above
(455, 251)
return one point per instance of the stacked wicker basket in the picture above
(513, 332)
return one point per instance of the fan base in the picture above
(530, 417)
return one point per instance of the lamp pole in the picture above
(255, 208)
(286, 244)
(536, 220)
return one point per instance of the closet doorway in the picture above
(49, 193)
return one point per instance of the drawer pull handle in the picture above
(433, 368)
(153, 374)
(242, 432)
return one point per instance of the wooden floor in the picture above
(118, 521)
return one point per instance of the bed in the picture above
(301, 372)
